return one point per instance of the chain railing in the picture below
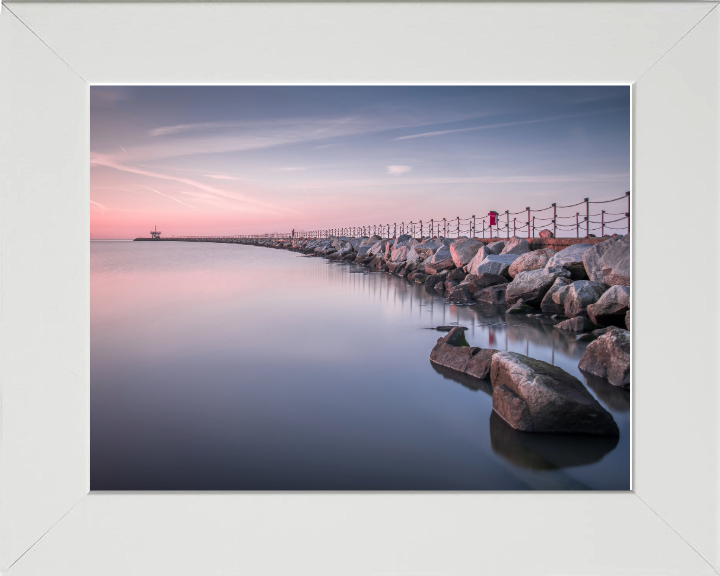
(494, 225)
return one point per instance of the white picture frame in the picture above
(49, 522)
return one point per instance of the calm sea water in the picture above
(228, 367)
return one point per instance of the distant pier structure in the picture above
(155, 234)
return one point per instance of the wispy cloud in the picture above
(397, 170)
(103, 208)
(328, 145)
(221, 177)
(167, 196)
(506, 124)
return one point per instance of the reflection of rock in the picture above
(547, 451)
(616, 398)
(469, 382)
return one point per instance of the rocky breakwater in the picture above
(584, 287)
(528, 394)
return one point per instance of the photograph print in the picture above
(360, 288)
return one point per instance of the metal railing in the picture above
(480, 227)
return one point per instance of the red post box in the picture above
(493, 217)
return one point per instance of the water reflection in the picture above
(614, 397)
(547, 451)
(216, 366)
(469, 382)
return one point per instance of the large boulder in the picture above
(609, 262)
(413, 256)
(458, 293)
(463, 250)
(531, 287)
(356, 242)
(534, 396)
(453, 351)
(493, 264)
(548, 304)
(493, 295)
(571, 258)
(611, 308)
(434, 279)
(531, 261)
(441, 260)
(377, 248)
(609, 357)
(482, 253)
(580, 295)
(517, 246)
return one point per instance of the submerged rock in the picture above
(609, 357)
(448, 328)
(577, 324)
(534, 396)
(493, 295)
(453, 351)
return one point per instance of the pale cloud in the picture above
(397, 170)
(328, 145)
(167, 196)
(103, 208)
(221, 177)
(291, 169)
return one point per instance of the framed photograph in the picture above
(232, 428)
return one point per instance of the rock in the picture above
(395, 267)
(371, 241)
(399, 254)
(612, 307)
(442, 253)
(482, 253)
(363, 250)
(627, 319)
(377, 248)
(589, 337)
(493, 295)
(577, 324)
(438, 267)
(531, 287)
(463, 250)
(453, 351)
(439, 287)
(356, 242)
(580, 295)
(534, 260)
(546, 234)
(534, 396)
(609, 357)
(474, 283)
(420, 278)
(450, 284)
(458, 275)
(436, 278)
(548, 306)
(413, 256)
(571, 258)
(458, 294)
(448, 328)
(494, 264)
(609, 261)
(517, 246)
(496, 247)
(520, 308)
(401, 240)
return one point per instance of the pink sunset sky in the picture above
(257, 159)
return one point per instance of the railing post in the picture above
(474, 232)
(444, 228)
(514, 226)
(554, 220)
(507, 223)
(421, 229)
(587, 217)
(432, 225)
(528, 222)
(533, 227)
(577, 224)
(628, 212)
(602, 223)
(483, 230)
(458, 226)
